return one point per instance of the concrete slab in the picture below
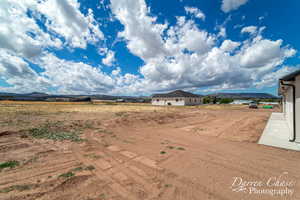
(277, 132)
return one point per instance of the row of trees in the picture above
(214, 100)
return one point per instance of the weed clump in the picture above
(9, 164)
(170, 147)
(67, 175)
(54, 131)
(77, 169)
(90, 168)
(181, 148)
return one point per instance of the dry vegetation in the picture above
(133, 151)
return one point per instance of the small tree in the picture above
(226, 101)
(206, 100)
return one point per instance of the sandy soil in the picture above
(142, 152)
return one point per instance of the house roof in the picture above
(291, 76)
(176, 93)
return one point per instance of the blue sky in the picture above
(139, 47)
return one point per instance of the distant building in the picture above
(120, 100)
(268, 103)
(241, 102)
(176, 98)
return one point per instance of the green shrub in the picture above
(67, 175)
(77, 169)
(53, 132)
(206, 100)
(90, 167)
(181, 148)
(225, 101)
(9, 164)
(163, 152)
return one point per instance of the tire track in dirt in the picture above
(57, 169)
(182, 191)
(118, 167)
(102, 176)
(35, 155)
(8, 143)
(41, 167)
(129, 168)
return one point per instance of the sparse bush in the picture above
(53, 131)
(181, 148)
(77, 169)
(67, 175)
(90, 167)
(163, 152)
(206, 100)
(225, 101)
(9, 164)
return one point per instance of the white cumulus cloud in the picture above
(229, 5)
(195, 11)
(142, 34)
(65, 18)
(20, 34)
(229, 45)
(175, 56)
(264, 53)
(188, 57)
(249, 29)
(109, 59)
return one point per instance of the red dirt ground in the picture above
(182, 153)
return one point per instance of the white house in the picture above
(289, 88)
(241, 102)
(176, 98)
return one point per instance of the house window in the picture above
(157, 99)
(176, 99)
(195, 100)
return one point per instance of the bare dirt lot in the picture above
(127, 151)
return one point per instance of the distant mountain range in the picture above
(37, 96)
(244, 95)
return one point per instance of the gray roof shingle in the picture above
(177, 93)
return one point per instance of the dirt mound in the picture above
(138, 119)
